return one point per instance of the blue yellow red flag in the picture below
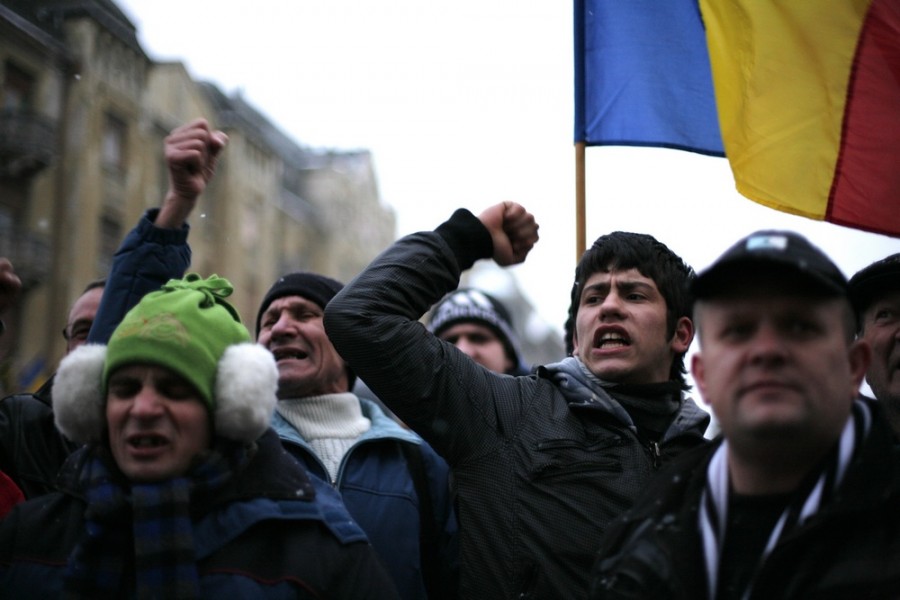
(807, 95)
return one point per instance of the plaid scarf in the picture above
(149, 522)
(815, 493)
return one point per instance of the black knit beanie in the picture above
(313, 287)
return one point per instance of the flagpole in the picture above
(579, 201)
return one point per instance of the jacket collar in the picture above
(588, 394)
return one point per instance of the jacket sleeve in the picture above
(148, 257)
(462, 409)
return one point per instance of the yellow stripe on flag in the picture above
(781, 71)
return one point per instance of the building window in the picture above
(18, 88)
(114, 137)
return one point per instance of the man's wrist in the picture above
(467, 237)
(148, 230)
(174, 211)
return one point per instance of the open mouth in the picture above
(609, 339)
(284, 353)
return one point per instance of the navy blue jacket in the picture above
(375, 482)
(148, 257)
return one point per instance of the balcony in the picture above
(27, 143)
(29, 252)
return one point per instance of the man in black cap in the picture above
(875, 293)
(798, 498)
(481, 326)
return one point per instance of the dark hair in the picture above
(97, 283)
(622, 250)
(93, 285)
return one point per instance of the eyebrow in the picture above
(292, 306)
(83, 321)
(623, 284)
(120, 378)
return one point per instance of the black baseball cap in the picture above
(881, 276)
(786, 251)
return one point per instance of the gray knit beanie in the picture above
(474, 306)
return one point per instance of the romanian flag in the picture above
(808, 99)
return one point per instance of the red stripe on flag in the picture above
(866, 190)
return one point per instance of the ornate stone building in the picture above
(83, 115)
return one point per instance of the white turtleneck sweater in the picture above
(330, 424)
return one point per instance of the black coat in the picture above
(850, 549)
(539, 472)
(32, 450)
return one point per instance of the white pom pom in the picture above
(246, 388)
(79, 405)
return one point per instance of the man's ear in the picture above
(683, 336)
(860, 355)
(699, 374)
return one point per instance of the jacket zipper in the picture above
(655, 455)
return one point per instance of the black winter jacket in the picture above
(540, 470)
(850, 549)
(31, 448)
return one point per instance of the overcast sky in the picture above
(466, 104)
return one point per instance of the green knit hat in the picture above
(185, 326)
(188, 328)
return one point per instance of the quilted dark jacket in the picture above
(540, 470)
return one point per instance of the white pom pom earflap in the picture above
(246, 388)
(78, 400)
(246, 392)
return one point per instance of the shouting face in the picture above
(308, 364)
(621, 329)
(158, 424)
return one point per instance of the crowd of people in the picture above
(387, 439)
